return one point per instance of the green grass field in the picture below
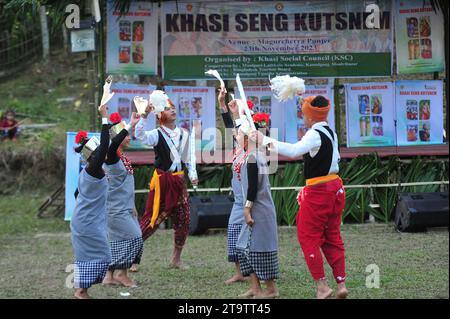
(35, 254)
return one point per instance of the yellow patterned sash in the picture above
(321, 179)
(156, 186)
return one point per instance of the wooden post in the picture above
(65, 38)
(44, 32)
(93, 76)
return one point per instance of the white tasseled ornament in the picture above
(159, 100)
(216, 74)
(285, 87)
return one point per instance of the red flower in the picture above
(250, 104)
(80, 137)
(115, 118)
(261, 118)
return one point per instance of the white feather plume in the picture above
(216, 74)
(159, 100)
(285, 87)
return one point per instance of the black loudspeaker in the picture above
(417, 211)
(209, 212)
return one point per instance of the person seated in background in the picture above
(9, 127)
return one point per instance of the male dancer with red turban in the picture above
(322, 200)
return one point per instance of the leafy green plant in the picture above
(142, 176)
(359, 171)
(420, 170)
(214, 177)
(286, 201)
(386, 197)
(363, 170)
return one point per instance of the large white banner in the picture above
(196, 106)
(370, 114)
(258, 39)
(419, 106)
(132, 39)
(122, 102)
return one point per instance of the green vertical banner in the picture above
(419, 33)
(324, 38)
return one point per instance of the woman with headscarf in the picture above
(88, 225)
(124, 233)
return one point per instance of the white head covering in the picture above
(159, 100)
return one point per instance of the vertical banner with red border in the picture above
(196, 106)
(419, 108)
(370, 114)
(122, 102)
(419, 33)
(293, 119)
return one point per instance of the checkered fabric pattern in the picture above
(137, 259)
(233, 235)
(124, 253)
(88, 273)
(264, 264)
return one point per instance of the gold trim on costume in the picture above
(156, 186)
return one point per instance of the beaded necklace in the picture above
(237, 166)
(126, 162)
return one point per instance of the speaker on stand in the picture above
(418, 211)
(209, 212)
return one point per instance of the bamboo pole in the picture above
(297, 188)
